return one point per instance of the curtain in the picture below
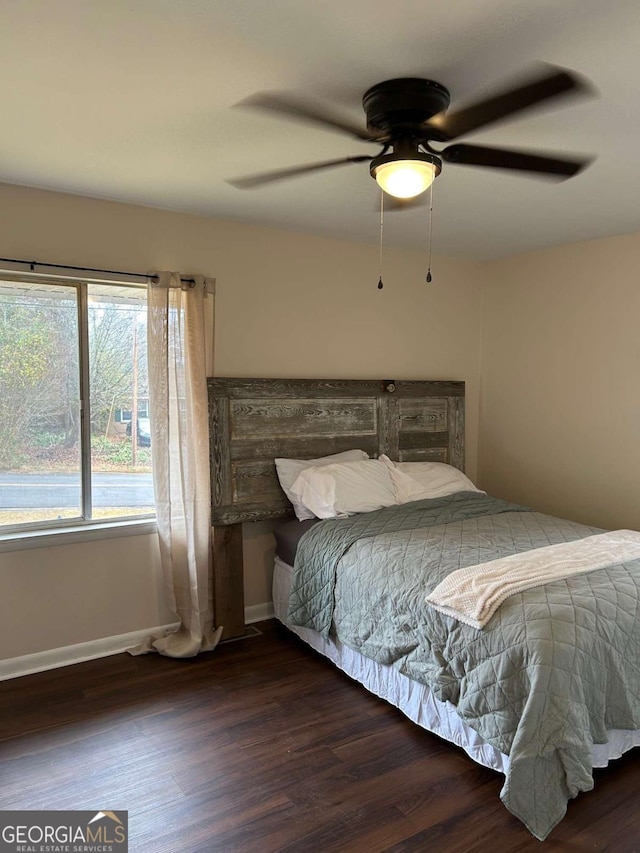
(180, 453)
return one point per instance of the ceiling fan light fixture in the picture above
(405, 178)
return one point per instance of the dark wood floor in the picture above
(264, 746)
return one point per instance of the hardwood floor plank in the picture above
(363, 829)
(264, 747)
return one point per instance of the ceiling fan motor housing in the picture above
(402, 105)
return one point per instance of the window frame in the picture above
(44, 533)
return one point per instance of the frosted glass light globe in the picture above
(405, 178)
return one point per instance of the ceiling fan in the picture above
(406, 115)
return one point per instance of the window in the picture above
(72, 361)
(124, 415)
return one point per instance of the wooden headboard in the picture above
(254, 421)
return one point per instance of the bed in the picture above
(547, 690)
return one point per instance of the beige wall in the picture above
(560, 406)
(59, 596)
(560, 395)
(288, 305)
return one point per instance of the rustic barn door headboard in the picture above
(254, 421)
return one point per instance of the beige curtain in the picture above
(180, 452)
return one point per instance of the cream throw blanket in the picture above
(473, 594)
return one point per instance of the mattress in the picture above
(416, 700)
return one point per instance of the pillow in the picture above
(341, 489)
(289, 469)
(415, 481)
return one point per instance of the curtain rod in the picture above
(33, 264)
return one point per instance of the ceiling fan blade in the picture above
(552, 84)
(292, 108)
(504, 158)
(251, 181)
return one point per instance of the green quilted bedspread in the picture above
(553, 669)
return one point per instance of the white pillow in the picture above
(415, 481)
(289, 469)
(341, 489)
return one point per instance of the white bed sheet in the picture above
(416, 700)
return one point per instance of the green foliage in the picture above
(24, 366)
(23, 357)
(117, 453)
(40, 438)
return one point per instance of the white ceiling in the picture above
(132, 100)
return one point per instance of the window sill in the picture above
(81, 533)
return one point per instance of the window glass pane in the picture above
(121, 483)
(40, 458)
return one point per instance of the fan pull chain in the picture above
(380, 284)
(430, 232)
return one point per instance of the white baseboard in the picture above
(67, 655)
(258, 612)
